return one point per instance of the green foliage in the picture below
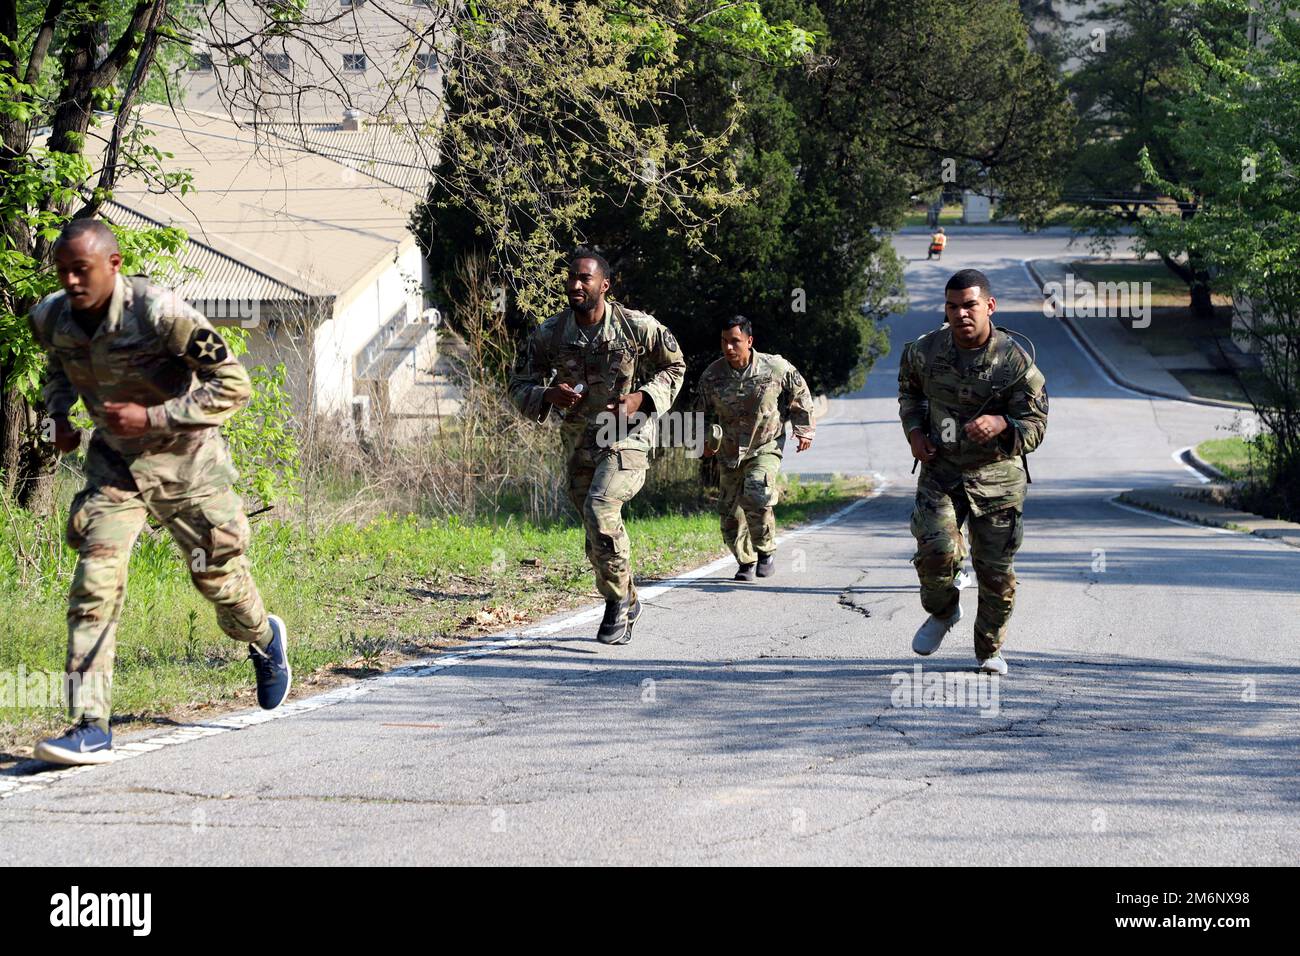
(261, 435)
(554, 108)
(821, 120)
(829, 159)
(1233, 133)
(42, 187)
(1136, 72)
(744, 28)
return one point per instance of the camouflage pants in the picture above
(599, 493)
(994, 539)
(103, 524)
(747, 494)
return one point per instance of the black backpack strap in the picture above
(932, 345)
(1032, 356)
(621, 315)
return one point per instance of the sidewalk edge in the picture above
(1114, 373)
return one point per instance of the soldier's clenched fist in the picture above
(126, 418)
(986, 428)
(923, 449)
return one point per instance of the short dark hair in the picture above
(738, 321)
(582, 252)
(969, 279)
(99, 232)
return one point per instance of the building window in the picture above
(200, 62)
(354, 62)
(427, 62)
(279, 62)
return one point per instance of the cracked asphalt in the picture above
(1149, 716)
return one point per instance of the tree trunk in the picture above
(11, 442)
(1202, 305)
(1198, 284)
(30, 464)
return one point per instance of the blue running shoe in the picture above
(272, 667)
(83, 744)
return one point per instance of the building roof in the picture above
(219, 276)
(377, 149)
(279, 212)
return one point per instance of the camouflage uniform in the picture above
(628, 351)
(156, 351)
(752, 406)
(980, 483)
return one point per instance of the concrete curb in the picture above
(1193, 460)
(1115, 374)
(1182, 501)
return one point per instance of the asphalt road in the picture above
(1149, 716)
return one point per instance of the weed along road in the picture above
(1148, 715)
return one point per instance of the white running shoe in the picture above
(994, 665)
(931, 634)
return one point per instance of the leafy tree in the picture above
(61, 63)
(1234, 133)
(898, 99)
(555, 110)
(71, 72)
(1133, 78)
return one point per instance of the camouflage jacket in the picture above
(935, 396)
(753, 404)
(159, 353)
(628, 351)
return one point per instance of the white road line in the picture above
(11, 786)
(1114, 500)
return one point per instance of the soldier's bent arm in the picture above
(1027, 413)
(528, 379)
(224, 386)
(799, 401)
(665, 358)
(911, 395)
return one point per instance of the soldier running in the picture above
(601, 364)
(973, 404)
(158, 381)
(750, 396)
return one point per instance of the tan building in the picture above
(300, 234)
(377, 57)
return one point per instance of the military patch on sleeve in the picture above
(206, 347)
(670, 343)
